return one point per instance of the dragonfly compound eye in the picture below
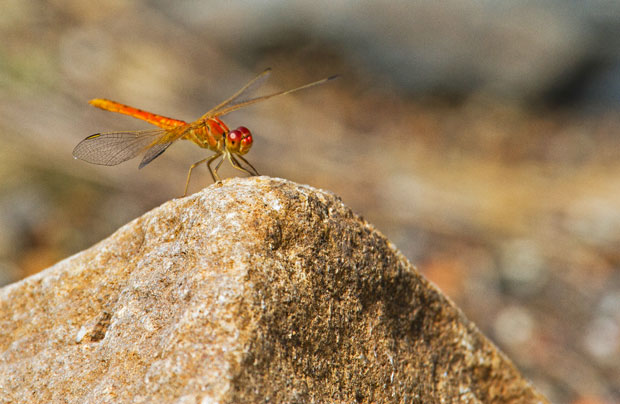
(239, 140)
(233, 140)
(246, 140)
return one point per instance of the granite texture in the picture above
(255, 290)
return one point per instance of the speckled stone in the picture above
(255, 290)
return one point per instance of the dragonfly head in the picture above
(239, 141)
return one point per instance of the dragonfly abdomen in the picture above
(155, 119)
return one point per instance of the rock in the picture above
(256, 290)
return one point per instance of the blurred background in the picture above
(481, 137)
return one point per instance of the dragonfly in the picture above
(208, 132)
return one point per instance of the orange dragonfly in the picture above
(209, 132)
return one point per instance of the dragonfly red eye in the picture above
(239, 140)
(234, 137)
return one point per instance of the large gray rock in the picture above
(257, 290)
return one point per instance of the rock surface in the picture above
(256, 290)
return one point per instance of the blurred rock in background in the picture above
(480, 137)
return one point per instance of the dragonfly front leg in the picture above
(255, 172)
(238, 166)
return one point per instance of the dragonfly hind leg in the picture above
(216, 178)
(209, 160)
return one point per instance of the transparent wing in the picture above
(112, 148)
(154, 152)
(242, 94)
(241, 102)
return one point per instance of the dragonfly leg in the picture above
(196, 164)
(254, 171)
(189, 174)
(238, 166)
(216, 178)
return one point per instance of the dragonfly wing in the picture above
(242, 94)
(242, 101)
(113, 148)
(154, 152)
